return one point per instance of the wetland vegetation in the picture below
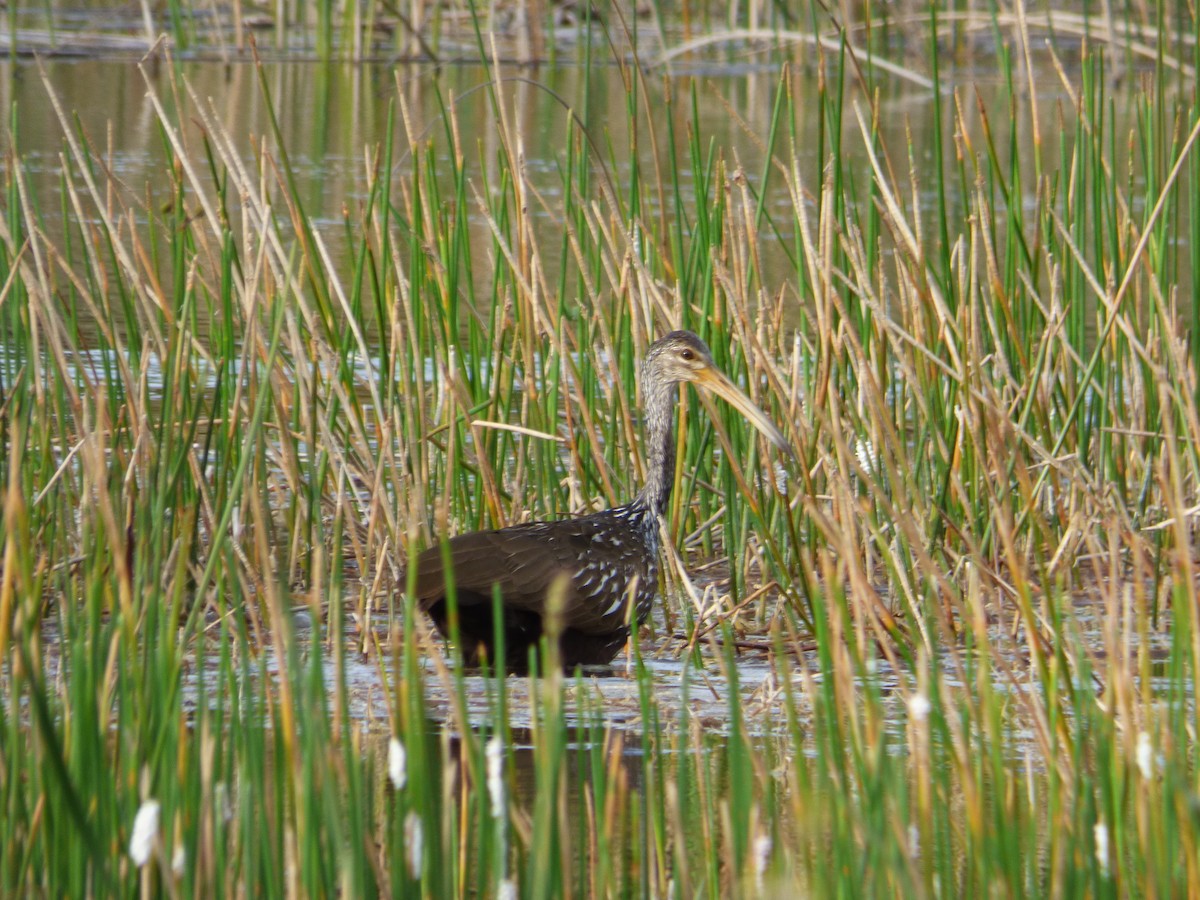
(277, 327)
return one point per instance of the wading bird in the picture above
(578, 577)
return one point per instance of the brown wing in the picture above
(598, 556)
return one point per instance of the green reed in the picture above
(222, 448)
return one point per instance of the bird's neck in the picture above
(659, 412)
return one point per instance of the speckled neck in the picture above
(659, 416)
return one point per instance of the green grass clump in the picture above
(950, 649)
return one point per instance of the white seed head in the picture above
(495, 774)
(506, 889)
(1145, 755)
(145, 830)
(762, 857)
(867, 457)
(1101, 834)
(414, 844)
(919, 707)
(397, 763)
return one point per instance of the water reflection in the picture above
(333, 120)
(329, 117)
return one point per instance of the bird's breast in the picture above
(620, 567)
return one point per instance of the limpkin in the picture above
(591, 567)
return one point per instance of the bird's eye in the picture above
(687, 354)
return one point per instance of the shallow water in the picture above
(696, 687)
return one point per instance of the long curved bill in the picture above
(715, 381)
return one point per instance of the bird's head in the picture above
(682, 357)
(676, 357)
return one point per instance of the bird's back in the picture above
(589, 568)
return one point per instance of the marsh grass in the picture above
(975, 587)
